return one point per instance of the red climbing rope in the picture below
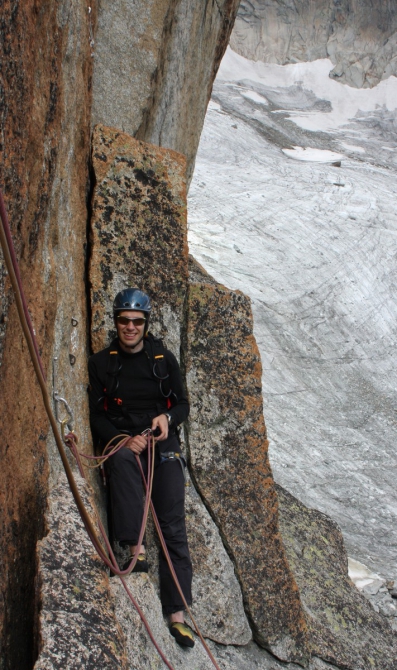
(9, 244)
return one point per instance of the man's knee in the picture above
(124, 459)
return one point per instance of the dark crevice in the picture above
(20, 643)
(91, 182)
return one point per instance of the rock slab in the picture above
(139, 231)
(155, 62)
(217, 599)
(77, 630)
(344, 628)
(228, 453)
(44, 153)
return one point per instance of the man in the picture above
(130, 391)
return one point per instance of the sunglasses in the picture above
(125, 320)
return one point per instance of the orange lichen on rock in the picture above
(44, 152)
(139, 231)
(228, 452)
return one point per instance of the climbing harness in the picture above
(102, 546)
(167, 456)
(155, 352)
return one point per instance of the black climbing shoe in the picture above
(140, 566)
(182, 634)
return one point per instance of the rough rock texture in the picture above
(253, 657)
(45, 92)
(141, 652)
(359, 37)
(155, 62)
(77, 630)
(228, 452)
(44, 149)
(139, 188)
(344, 628)
(139, 649)
(138, 231)
(217, 599)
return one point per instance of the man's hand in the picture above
(137, 444)
(160, 422)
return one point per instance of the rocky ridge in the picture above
(359, 37)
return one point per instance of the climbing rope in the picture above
(105, 552)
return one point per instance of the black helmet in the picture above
(134, 299)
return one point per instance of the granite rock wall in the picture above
(228, 454)
(48, 50)
(138, 235)
(359, 37)
(44, 149)
(78, 625)
(344, 629)
(155, 62)
(138, 231)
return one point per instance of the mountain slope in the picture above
(314, 246)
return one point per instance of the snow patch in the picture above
(315, 248)
(312, 155)
(255, 97)
(346, 102)
(363, 577)
(214, 106)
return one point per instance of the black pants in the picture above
(168, 496)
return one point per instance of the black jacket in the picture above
(137, 398)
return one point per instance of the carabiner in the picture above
(68, 422)
(158, 376)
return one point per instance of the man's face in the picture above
(130, 334)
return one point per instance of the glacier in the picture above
(293, 202)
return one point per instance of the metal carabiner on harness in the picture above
(68, 421)
(158, 376)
